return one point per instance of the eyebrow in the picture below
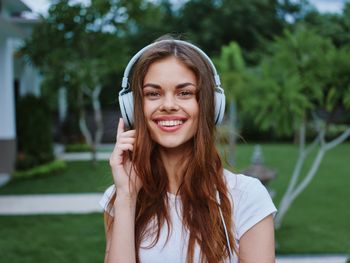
(178, 86)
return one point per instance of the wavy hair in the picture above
(201, 165)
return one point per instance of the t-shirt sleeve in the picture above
(108, 194)
(254, 205)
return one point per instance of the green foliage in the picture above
(333, 26)
(232, 69)
(304, 75)
(43, 169)
(275, 105)
(33, 132)
(75, 47)
(213, 24)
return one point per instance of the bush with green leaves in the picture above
(34, 133)
(50, 168)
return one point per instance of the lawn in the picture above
(318, 221)
(53, 239)
(80, 176)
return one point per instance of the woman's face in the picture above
(169, 102)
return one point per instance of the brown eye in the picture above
(151, 94)
(186, 93)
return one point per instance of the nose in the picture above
(169, 103)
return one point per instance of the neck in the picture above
(173, 162)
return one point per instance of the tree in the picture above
(333, 26)
(75, 48)
(303, 85)
(232, 70)
(213, 24)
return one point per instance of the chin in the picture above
(173, 144)
(170, 145)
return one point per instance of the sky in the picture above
(333, 6)
(38, 6)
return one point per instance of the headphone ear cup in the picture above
(220, 102)
(126, 104)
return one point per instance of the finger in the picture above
(125, 147)
(118, 154)
(130, 133)
(126, 140)
(119, 148)
(120, 129)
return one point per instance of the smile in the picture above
(170, 123)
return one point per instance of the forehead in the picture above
(169, 70)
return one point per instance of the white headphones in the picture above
(126, 101)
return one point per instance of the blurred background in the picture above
(285, 68)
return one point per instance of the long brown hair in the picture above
(201, 166)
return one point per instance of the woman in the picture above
(174, 201)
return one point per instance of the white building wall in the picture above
(7, 98)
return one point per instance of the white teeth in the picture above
(170, 123)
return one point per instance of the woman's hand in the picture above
(125, 179)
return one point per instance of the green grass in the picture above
(54, 239)
(78, 177)
(318, 221)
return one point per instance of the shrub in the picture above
(44, 169)
(33, 132)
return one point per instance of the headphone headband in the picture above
(133, 60)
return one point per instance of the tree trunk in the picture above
(98, 121)
(82, 120)
(93, 142)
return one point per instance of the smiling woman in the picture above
(170, 104)
(172, 201)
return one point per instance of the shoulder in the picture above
(240, 185)
(239, 182)
(251, 201)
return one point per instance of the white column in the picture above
(7, 100)
(7, 110)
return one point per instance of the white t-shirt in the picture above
(251, 204)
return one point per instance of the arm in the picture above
(107, 221)
(120, 236)
(258, 243)
(120, 229)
